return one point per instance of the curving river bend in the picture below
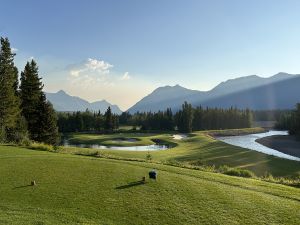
(249, 142)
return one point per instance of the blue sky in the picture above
(122, 50)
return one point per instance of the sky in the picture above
(122, 50)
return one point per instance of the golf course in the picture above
(91, 186)
(149, 112)
(199, 148)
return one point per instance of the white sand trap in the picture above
(179, 136)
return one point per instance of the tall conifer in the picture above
(108, 123)
(30, 93)
(9, 107)
(39, 113)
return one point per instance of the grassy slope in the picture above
(201, 149)
(83, 190)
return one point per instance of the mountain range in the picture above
(281, 91)
(61, 101)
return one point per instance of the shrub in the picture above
(239, 173)
(25, 142)
(236, 172)
(41, 146)
(57, 148)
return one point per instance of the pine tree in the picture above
(185, 118)
(30, 92)
(39, 114)
(47, 129)
(9, 107)
(108, 123)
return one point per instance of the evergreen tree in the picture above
(294, 123)
(98, 121)
(9, 101)
(185, 118)
(115, 122)
(30, 92)
(108, 123)
(39, 114)
(47, 129)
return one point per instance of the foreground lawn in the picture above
(84, 190)
(199, 149)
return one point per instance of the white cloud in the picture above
(98, 65)
(14, 50)
(91, 73)
(74, 73)
(126, 76)
(90, 67)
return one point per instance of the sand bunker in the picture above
(179, 136)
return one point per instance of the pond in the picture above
(154, 147)
(249, 142)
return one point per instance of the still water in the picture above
(154, 147)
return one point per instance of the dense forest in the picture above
(290, 121)
(87, 121)
(25, 114)
(190, 119)
(187, 119)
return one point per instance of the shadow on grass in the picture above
(24, 186)
(131, 184)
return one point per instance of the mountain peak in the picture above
(61, 92)
(102, 101)
(61, 101)
(282, 75)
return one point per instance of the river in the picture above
(249, 142)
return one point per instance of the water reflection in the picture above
(155, 147)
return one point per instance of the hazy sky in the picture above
(122, 50)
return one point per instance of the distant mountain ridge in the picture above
(240, 92)
(248, 82)
(61, 101)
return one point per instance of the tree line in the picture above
(189, 119)
(87, 121)
(290, 121)
(24, 111)
(186, 120)
(269, 115)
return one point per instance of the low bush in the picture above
(235, 172)
(291, 181)
(41, 146)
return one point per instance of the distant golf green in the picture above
(85, 190)
(199, 149)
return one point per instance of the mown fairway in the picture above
(85, 190)
(198, 149)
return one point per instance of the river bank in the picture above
(284, 143)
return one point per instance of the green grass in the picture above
(85, 190)
(198, 150)
(109, 139)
